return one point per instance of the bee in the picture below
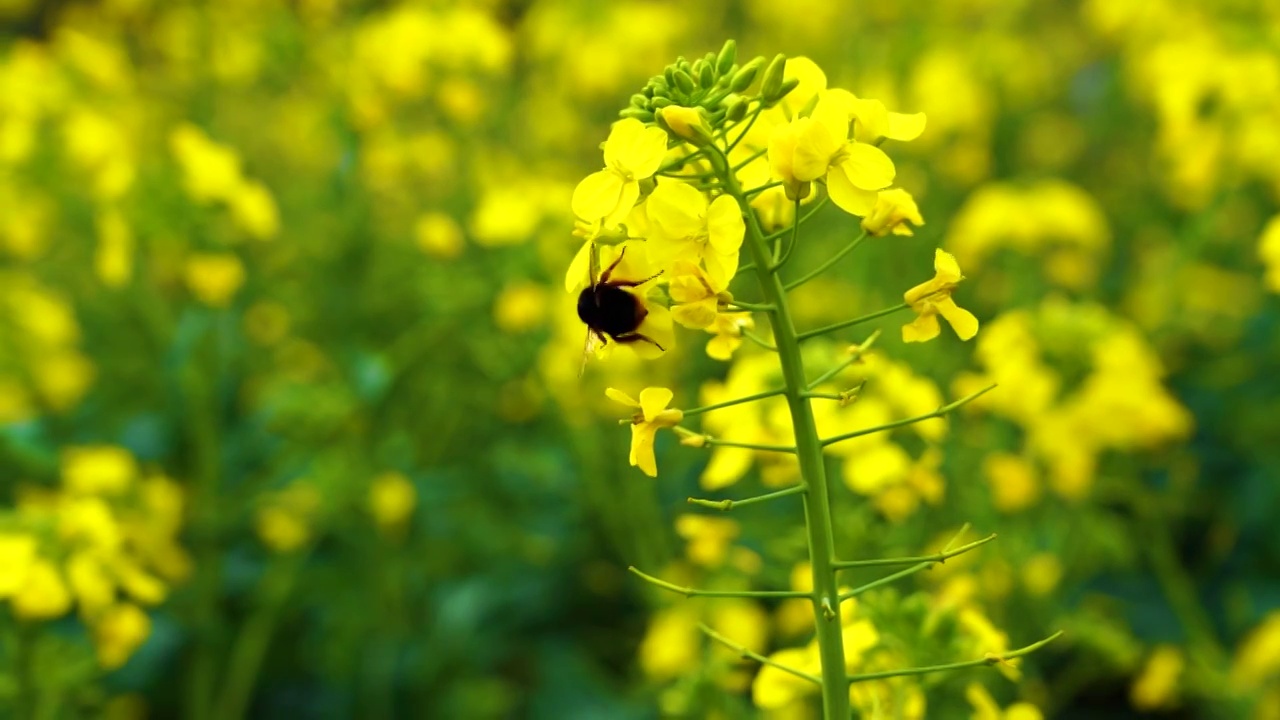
(608, 310)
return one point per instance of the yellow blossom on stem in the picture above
(854, 170)
(694, 298)
(728, 329)
(685, 226)
(17, 553)
(118, 633)
(632, 153)
(894, 209)
(933, 298)
(686, 123)
(44, 595)
(653, 414)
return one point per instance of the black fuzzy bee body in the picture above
(610, 312)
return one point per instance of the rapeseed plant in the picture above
(673, 204)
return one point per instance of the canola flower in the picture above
(674, 191)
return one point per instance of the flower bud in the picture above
(893, 210)
(787, 86)
(771, 85)
(644, 116)
(640, 101)
(728, 53)
(736, 109)
(746, 75)
(707, 76)
(686, 123)
(683, 81)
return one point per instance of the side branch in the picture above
(827, 264)
(694, 592)
(988, 659)
(938, 557)
(850, 323)
(911, 420)
(731, 504)
(855, 354)
(731, 403)
(750, 655)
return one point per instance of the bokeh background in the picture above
(290, 416)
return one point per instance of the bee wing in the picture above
(594, 261)
(589, 347)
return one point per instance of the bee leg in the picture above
(633, 283)
(604, 277)
(636, 337)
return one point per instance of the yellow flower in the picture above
(854, 170)
(728, 329)
(392, 499)
(694, 299)
(632, 153)
(17, 553)
(1013, 482)
(894, 208)
(214, 278)
(1041, 573)
(44, 595)
(254, 210)
(439, 235)
(985, 707)
(873, 122)
(774, 688)
(672, 644)
(708, 538)
(685, 226)
(284, 523)
(653, 414)
(520, 307)
(210, 171)
(686, 123)
(1257, 658)
(118, 633)
(782, 153)
(933, 298)
(1158, 684)
(97, 469)
(93, 587)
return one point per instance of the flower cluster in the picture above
(104, 544)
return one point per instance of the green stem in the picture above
(991, 659)
(753, 307)
(778, 262)
(829, 262)
(731, 403)
(731, 504)
(744, 652)
(850, 323)
(911, 420)
(937, 557)
(855, 354)
(749, 654)
(817, 505)
(695, 592)
(758, 340)
(807, 216)
(716, 442)
(750, 159)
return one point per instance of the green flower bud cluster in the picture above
(716, 83)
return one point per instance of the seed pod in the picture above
(746, 75)
(645, 116)
(772, 82)
(728, 54)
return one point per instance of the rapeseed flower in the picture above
(933, 298)
(632, 153)
(654, 414)
(683, 225)
(895, 212)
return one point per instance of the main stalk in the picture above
(817, 505)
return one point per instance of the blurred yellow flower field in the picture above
(644, 359)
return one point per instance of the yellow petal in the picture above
(621, 397)
(944, 263)
(727, 466)
(815, 146)
(852, 200)
(871, 119)
(635, 150)
(960, 320)
(905, 126)
(922, 329)
(676, 210)
(695, 315)
(812, 81)
(832, 113)
(725, 227)
(657, 327)
(720, 268)
(782, 150)
(642, 437)
(653, 400)
(867, 166)
(579, 274)
(597, 195)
